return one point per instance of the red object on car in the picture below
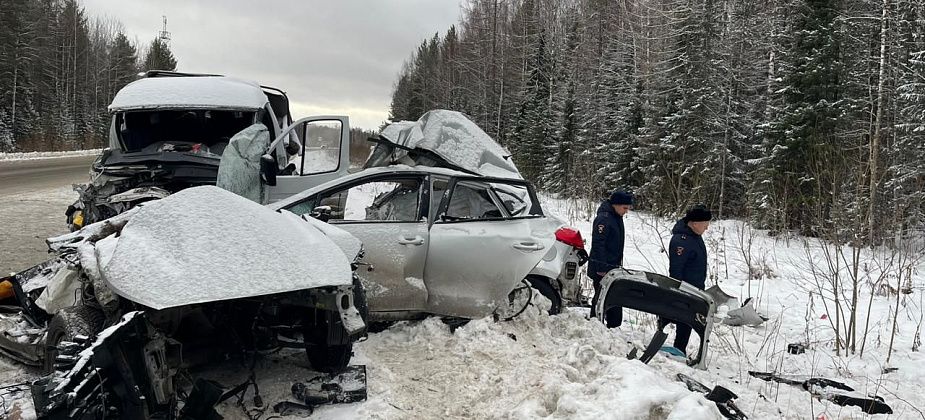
(570, 236)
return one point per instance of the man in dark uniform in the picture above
(607, 238)
(687, 258)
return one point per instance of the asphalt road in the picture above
(33, 197)
(18, 176)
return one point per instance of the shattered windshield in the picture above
(180, 130)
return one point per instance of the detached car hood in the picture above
(206, 244)
(443, 138)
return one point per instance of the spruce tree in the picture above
(531, 128)
(800, 140)
(159, 57)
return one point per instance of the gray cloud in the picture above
(332, 57)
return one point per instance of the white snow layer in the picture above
(204, 244)
(569, 367)
(455, 138)
(47, 155)
(188, 93)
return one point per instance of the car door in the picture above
(323, 155)
(386, 213)
(482, 244)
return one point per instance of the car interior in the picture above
(180, 130)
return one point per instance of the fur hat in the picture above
(698, 213)
(621, 198)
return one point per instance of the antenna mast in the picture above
(163, 35)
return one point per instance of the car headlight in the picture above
(78, 219)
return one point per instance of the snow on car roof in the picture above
(206, 244)
(455, 138)
(209, 92)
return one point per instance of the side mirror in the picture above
(268, 170)
(322, 213)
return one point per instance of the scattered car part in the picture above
(721, 396)
(822, 388)
(671, 300)
(744, 314)
(347, 386)
(796, 348)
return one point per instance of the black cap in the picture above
(621, 198)
(698, 213)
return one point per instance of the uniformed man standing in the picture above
(607, 238)
(687, 258)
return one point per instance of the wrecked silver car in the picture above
(449, 227)
(130, 302)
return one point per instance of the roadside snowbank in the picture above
(536, 366)
(47, 155)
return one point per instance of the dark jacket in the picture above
(687, 255)
(607, 237)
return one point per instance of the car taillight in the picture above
(571, 237)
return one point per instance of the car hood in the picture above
(443, 138)
(206, 244)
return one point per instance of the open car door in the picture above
(310, 152)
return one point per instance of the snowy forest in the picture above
(59, 70)
(799, 115)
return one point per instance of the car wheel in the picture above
(542, 285)
(66, 325)
(329, 358)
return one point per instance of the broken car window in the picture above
(471, 200)
(516, 200)
(392, 200)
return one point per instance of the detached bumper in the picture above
(671, 300)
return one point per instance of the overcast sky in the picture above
(332, 57)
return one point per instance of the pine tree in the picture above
(683, 135)
(612, 120)
(906, 174)
(124, 59)
(531, 130)
(159, 57)
(557, 175)
(800, 140)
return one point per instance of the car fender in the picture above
(553, 262)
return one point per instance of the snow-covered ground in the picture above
(47, 155)
(566, 366)
(571, 368)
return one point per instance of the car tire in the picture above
(329, 358)
(542, 285)
(66, 325)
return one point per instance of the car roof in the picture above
(393, 169)
(193, 92)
